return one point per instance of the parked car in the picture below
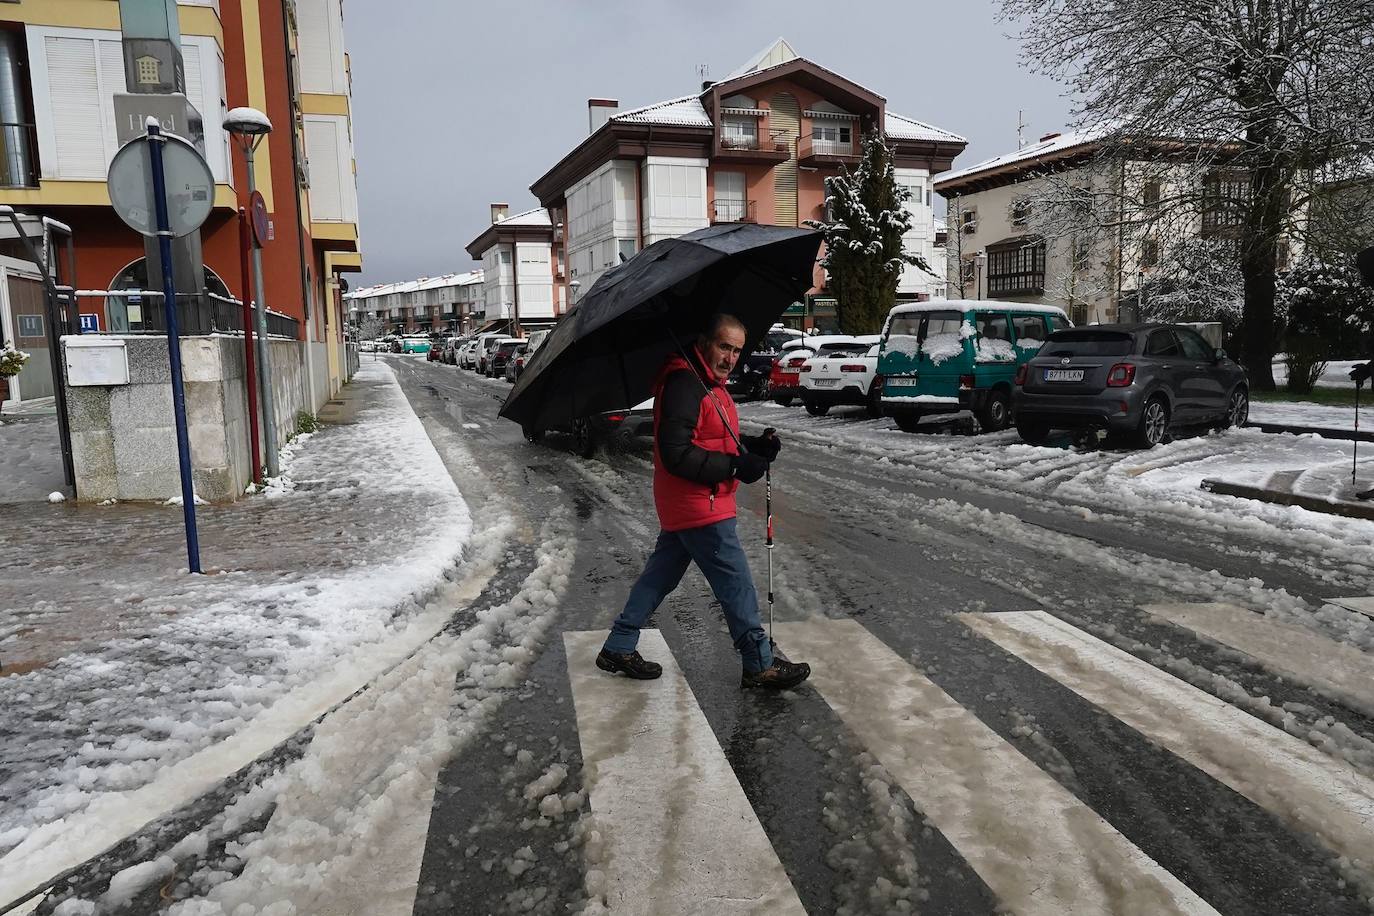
(944, 356)
(496, 363)
(1138, 380)
(435, 353)
(844, 377)
(784, 379)
(467, 355)
(449, 349)
(752, 373)
(396, 346)
(416, 343)
(516, 364)
(486, 342)
(618, 427)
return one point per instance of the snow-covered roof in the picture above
(536, 217)
(1028, 154)
(683, 112)
(777, 52)
(976, 305)
(900, 127)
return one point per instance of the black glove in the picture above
(766, 447)
(749, 467)
(1359, 373)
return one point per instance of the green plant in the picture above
(11, 361)
(306, 422)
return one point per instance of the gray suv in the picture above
(1140, 380)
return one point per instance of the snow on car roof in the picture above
(976, 305)
(815, 340)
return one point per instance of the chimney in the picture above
(706, 85)
(499, 212)
(599, 111)
(1049, 137)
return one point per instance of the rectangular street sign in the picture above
(90, 323)
(173, 112)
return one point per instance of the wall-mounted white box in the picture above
(96, 361)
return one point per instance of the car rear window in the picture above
(1088, 343)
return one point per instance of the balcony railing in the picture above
(732, 211)
(18, 156)
(810, 146)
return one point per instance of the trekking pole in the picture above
(768, 544)
(1355, 456)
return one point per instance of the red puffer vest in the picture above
(683, 503)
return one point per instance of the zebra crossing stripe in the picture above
(1311, 791)
(1040, 850)
(679, 833)
(1363, 605)
(1307, 657)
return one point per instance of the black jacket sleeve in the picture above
(679, 407)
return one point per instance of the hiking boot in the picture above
(631, 665)
(782, 676)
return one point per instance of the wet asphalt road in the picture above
(873, 544)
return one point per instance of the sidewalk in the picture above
(117, 663)
(1301, 417)
(30, 459)
(1324, 488)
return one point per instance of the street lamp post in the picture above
(248, 127)
(982, 262)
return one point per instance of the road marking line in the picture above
(1041, 850)
(680, 834)
(1363, 606)
(1308, 789)
(1289, 650)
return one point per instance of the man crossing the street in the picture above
(698, 466)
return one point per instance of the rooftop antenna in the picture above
(703, 73)
(1021, 126)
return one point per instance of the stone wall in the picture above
(124, 436)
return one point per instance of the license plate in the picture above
(825, 382)
(791, 372)
(1063, 375)
(902, 382)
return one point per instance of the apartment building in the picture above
(61, 64)
(522, 268)
(756, 146)
(1004, 243)
(450, 304)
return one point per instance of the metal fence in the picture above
(140, 311)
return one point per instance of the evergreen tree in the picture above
(863, 239)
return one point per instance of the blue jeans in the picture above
(717, 552)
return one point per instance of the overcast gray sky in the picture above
(457, 104)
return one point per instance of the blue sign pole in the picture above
(169, 302)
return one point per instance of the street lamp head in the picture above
(247, 122)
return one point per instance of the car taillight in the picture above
(795, 361)
(1021, 376)
(805, 368)
(615, 418)
(853, 367)
(1121, 375)
(966, 382)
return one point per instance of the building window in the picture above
(1151, 195)
(739, 133)
(504, 256)
(729, 205)
(625, 249)
(832, 138)
(1020, 211)
(968, 271)
(1082, 253)
(1017, 269)
(1225, 197)
(969, 221)
(1149, 253)
(1283, 255)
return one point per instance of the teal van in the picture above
(947, 355)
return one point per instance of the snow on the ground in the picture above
(1337, 374)
(1315, 416)
(1164, 480)
(110, 719)
(33, 459)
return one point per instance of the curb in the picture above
(1282, 498)
(1323, 431)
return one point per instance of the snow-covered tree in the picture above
(863, 238)
(1272, 91)
(371, 327)
(1197, 279)
(1329, 313)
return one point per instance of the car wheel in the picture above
(908, 421)
(995, 414)
(1153, 427)
(817, 410)
(874, 407)
(761, 391)
(1237, 409)
(1033, 433)
(584, 440)
(783, 402)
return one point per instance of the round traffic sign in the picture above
(190, 186)
(258, 207)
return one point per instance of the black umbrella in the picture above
(607, 350)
